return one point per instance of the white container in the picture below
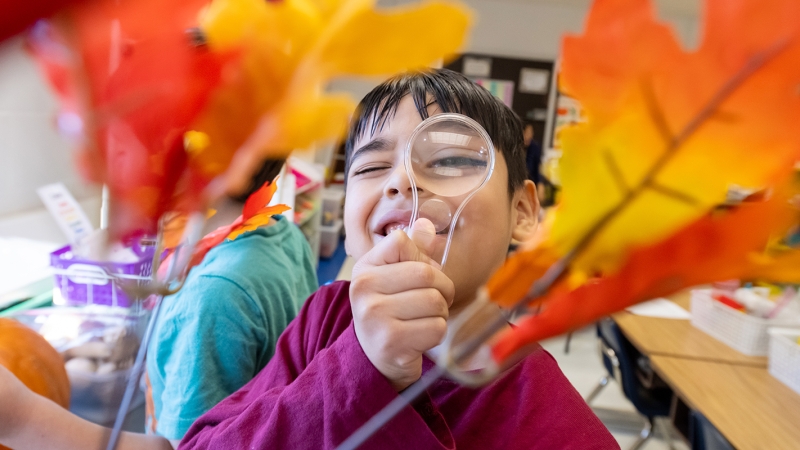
(329, 239)
(784, 356)
(743, 332)
(332, 203)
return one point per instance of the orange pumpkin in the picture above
(34, 361)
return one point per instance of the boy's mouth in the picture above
(398, 220)
(395, 219)
(388, 229)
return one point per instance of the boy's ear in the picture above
(525, 208)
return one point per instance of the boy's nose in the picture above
(398, 183)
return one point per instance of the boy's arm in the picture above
(30, 421)
(317, 398)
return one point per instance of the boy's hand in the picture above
(400, 300)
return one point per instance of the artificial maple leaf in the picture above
(668, 131)
(130, 82)
(19, 15)
(273, 101)
(135, 76)
(716, 247)
(256, 213)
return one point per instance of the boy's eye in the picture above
(456, 165)
(369, 169)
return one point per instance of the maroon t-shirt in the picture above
(320, 387)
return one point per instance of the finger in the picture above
(423, 334)
(413, 275)
(394, 248)
(423, 235)
(411, 305)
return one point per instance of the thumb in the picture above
(423, 235)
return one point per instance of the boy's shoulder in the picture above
(326, 314)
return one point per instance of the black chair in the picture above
(649, 394)
(703, 435)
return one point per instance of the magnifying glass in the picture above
(449, 158)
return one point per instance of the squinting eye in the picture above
(368, 170)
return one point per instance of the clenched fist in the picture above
(400, 300)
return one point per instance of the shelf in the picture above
(305, 216)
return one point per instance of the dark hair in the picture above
(454, 93)
(268, 171)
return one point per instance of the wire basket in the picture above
(743, 332)
(784, 356)
(80, 281)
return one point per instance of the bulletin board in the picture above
(522, 84)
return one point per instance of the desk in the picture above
(673, 337)
(746, 404)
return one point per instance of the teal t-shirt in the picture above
(220, 330)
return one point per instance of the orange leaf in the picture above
(261, 218)
(669, 131)
(716, 247)
(259, 199)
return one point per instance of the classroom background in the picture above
(659, 375)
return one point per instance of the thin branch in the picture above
(673, 193)
(616, 172)
(656, 114)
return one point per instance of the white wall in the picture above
(31, 152)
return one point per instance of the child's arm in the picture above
(30, 421)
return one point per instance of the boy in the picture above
(354, 346)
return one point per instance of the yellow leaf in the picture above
(669, 131)
(260, 219)
(273, 99)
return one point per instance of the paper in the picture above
(66, 211)
(477, 67)
(661, 308)
(24, 268)
(534, 81)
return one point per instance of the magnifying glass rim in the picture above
(410, 171)
(441, 118)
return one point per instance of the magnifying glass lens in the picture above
(450, 157)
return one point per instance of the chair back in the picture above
(703, 435)
(621, 358)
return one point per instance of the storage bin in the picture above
(94, 396)
(80, 281)
(332, 203)
(329, 239)
(743, 332)
(784, 356)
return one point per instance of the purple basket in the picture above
(80, 281)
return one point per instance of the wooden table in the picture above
(746, 404)
(675, 337)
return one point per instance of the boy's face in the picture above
(379, 200)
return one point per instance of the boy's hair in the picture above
(453, 93)
(268, 171)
